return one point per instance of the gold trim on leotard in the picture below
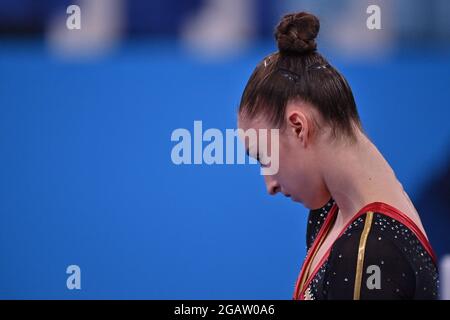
(361, 251)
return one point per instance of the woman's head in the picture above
(298, 92)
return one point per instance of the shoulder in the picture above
(380, 234)
(376, 245)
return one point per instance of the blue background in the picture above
(86, 176)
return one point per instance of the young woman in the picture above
(365, 239)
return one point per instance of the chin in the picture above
(295, 199)
(307, 204)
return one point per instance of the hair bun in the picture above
(296, 33)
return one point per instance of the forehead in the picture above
(252, 130)
(245, 123)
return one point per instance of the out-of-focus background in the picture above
(86, 117)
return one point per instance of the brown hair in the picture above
(298, 71)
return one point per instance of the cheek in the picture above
(297, 171)
(291, 174)
(296, 175)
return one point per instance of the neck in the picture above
(355, 176)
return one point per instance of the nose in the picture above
(272, 185)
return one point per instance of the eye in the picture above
(258, 158)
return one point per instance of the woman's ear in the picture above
(298, 124)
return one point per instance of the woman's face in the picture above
(300, 157)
